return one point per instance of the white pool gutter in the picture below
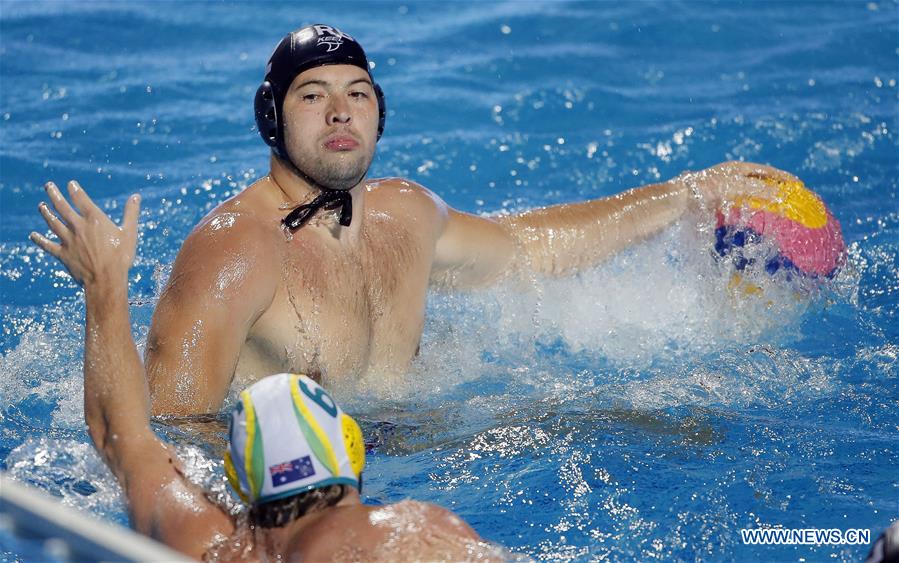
(70, 535)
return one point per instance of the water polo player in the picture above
(293, 455)
(316, 269)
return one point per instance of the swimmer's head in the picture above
(306, 48)
(287, 436)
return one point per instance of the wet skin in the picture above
(351, 531)
(162, 502)
(246, 298)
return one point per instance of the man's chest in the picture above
(344, 313)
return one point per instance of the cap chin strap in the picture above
(331, 199)
(328, 199)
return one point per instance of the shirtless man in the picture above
(314, 269)
(293, 455)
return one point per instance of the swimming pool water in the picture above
(637, 411)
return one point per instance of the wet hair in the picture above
(278, 513)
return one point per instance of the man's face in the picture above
(331, 124)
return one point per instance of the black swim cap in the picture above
(309, 47)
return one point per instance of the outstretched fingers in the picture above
(69, 215)
(763, 172)
(131, 215)
(83, 202)
(90, 245)
(46, 244)
(59, 228)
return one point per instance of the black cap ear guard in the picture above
(267, 116)
(382, 108)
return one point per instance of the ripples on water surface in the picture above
(636, 411)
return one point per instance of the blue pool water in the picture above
(637, 411)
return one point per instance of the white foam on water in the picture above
(764, 375)
(655, 326)
(46, 364)
(70, 470)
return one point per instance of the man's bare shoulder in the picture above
(403, 198)
(242, 224)
(397, 531)
(249, 213)
(165, 505)
(435, 519)
(236, 244)
(404, 190)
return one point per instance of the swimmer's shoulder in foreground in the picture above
(294, 456)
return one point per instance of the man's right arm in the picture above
(223, 279)
(98, 254)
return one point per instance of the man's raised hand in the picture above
(91, 246)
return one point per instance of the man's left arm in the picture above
(563, 239)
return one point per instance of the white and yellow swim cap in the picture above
(287, 436)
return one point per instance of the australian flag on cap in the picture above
(291, 471)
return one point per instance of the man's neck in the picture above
(296, 189)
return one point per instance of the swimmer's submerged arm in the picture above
(98, 254)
